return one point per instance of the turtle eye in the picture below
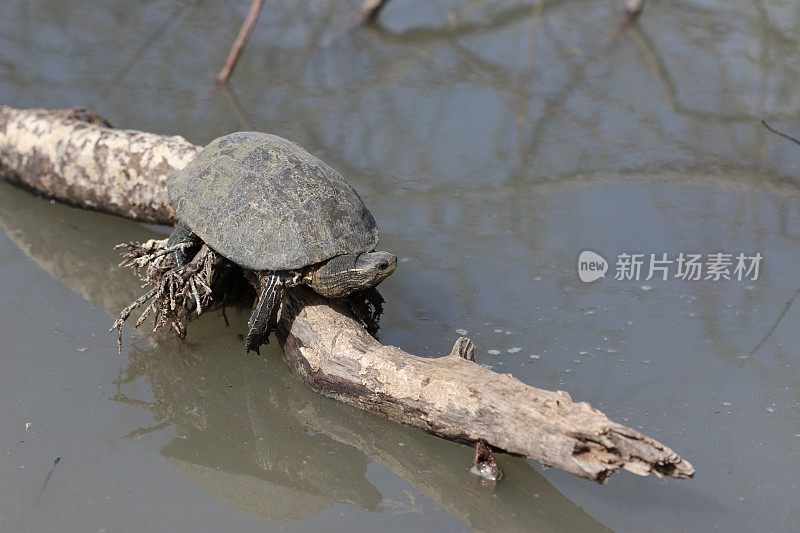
(383, 264)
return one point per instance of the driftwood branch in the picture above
(241, 40)
(74, 157)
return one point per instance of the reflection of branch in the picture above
(776, 132)
(670, 87)
(778, 320)
(142, 431)
(139, 54)
(236, 108)
(241, 40)
(499, 21)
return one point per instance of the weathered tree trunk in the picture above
(74, 157)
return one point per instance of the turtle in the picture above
(267, 205)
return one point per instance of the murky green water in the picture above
(494, 142)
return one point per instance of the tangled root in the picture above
(175, 291)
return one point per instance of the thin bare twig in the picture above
(370, 10)
(241, 40)
(776, 132)
(633, 10)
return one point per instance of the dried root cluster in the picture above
(175, 291)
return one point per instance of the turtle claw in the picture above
(265, 312)
(367, 307)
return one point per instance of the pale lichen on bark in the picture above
(74, 157)
(71, 156)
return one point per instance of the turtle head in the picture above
(349, 273)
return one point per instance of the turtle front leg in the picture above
(265, 312)
(182, 235)
(367, 306)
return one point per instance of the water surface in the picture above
(493, 141)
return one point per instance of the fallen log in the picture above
(74, 156)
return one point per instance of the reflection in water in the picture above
(238, 437)
(247, 432)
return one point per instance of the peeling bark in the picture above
(75, 157)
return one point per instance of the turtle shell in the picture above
(266, 204)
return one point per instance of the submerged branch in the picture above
(779, 133)
(241, 40)
(60, 155)
(370, 10)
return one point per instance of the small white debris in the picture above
(537, 278)
(498, 330)
(27, 426)
(646, 288)
(494, 352)
(535, 356)
(81, 349)
(515, 349)
(462, 331)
